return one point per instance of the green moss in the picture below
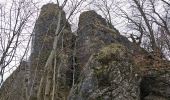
(109, 55)
(112, 52)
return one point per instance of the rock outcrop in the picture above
(14, 88)
(107, 71)
(44, 30)
(97, 64)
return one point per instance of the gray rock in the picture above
(14, 87)
(104, 62)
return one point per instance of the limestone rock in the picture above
(44, 30)
(93, 34)
(97, 64)
(109, 75)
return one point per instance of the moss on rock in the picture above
(110, 55)
(115, 51)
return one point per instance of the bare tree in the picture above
(145, 21)
(167, 2)
(15, 20)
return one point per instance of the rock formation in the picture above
(14, 87)
(44, 33)
(97, 64)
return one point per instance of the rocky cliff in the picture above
(96, 64)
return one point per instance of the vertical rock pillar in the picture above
(42, 43)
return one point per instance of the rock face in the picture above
(44, 30)
(93, 34)
(106, 69)
(14, 87)
(97, 64)
(155, 86)
(109, 75)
